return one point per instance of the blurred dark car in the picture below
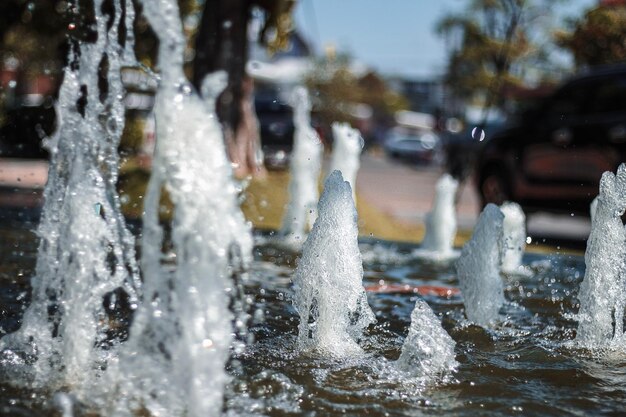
(553, 158)
(276, 128)
(413, 145)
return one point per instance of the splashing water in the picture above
(84, 254)
(428, 351)
(329, 294)
(514, 241)
(346, 152)
(441, 220)
(602, 292)
(306, 163)
(174, 361)
(478, 268)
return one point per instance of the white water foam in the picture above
(329, 294)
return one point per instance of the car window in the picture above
(609, 96)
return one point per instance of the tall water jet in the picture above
(602, 292)
(347, 147)
(174, 361)
(478, 268)
(514, 241)
(306, 163)
(85, 251)
(428, 350)
(329, 294)
(441, 220)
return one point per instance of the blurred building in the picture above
(423, 95)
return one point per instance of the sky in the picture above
(395, 37)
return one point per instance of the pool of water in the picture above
(523, 366)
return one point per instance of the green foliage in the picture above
(336, 90)
(598, 37)
(489, 44)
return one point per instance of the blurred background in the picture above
(521, 100)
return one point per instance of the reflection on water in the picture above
(522, 366)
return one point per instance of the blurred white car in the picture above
(413, 145)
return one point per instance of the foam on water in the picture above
(441, 222)
(602, 292)
(478, 268)
(329, 294)
(514, 241)
(84, 254)
(428, 350)
(174, 360)
(305, 166)
(347, 147)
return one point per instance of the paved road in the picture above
(402, 191)
(407, 192)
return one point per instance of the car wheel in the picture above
(494, 188)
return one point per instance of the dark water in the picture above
(524, 366)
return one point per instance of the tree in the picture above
(598, 37)
(489, 46)
(336, 90)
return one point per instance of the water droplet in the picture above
(528, 240)
(478, 133)
(185, 89)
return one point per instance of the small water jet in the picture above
(428, 350)
(478, 268)
(441, 222)
(347, 147)
(602, 293)
(329, 294)
(305, 166)
(514, 241)
(85, 254)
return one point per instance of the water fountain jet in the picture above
(174, 360)
(84, 254)
(305, 166)
(478, 269)
(514, 241)
(428, 350)
(602, 293)
(347, 149)
(441, 223)
(329, 294)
